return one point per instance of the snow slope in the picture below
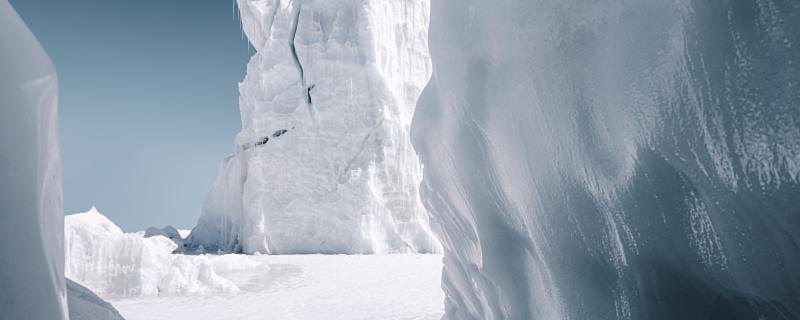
(85, 305)
(31, 218)
(112, 263)
(614, 159)
(299, 287)
(324, 163)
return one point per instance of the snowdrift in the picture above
(85, 305)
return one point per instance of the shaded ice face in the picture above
(31, 214)
(583, 159)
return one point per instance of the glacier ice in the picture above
(614, 159)
(116, 264)
(32, 284)
(324, 163)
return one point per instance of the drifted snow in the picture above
(112, 263)
(85, 305)
(323, 163)
(32, 282)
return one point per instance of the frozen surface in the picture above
(31, 218)
(298, 287)
(614, 159)
(85, 305)
(112, 263)
(324, 163)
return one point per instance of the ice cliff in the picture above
(614, 159)
(32, 282)
(324, 163)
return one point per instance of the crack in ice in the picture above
(296, 59)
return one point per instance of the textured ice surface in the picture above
(112, 263)
(85, 305)
(31, 218)
(308, 287)
(614, 159)
(324, 162)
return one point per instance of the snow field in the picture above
(297, 287)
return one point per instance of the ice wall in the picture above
(614, 159)
(324, 162)
(31, 218)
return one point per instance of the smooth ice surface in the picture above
(299, 287)
(31, 218)
(614, 159)
(112, 263)
(324, 162)
(85, 305)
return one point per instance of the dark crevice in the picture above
(296, 58)
(308, 94)
(275, 134)
(279, 133)
(292, 35)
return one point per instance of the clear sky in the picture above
(148, 101)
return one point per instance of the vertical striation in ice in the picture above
(32, 282)
(614, 159)
(324, 162)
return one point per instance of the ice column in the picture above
(324, 161)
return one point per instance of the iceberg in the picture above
(32, 284)
(324, 162)
(112, 263)
(614, 159)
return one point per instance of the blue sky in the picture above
(148, 101)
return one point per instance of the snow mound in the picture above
(85, 305)
(324, 162)
(112, 263)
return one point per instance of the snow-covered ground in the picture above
(308, 287)
(142, 278)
